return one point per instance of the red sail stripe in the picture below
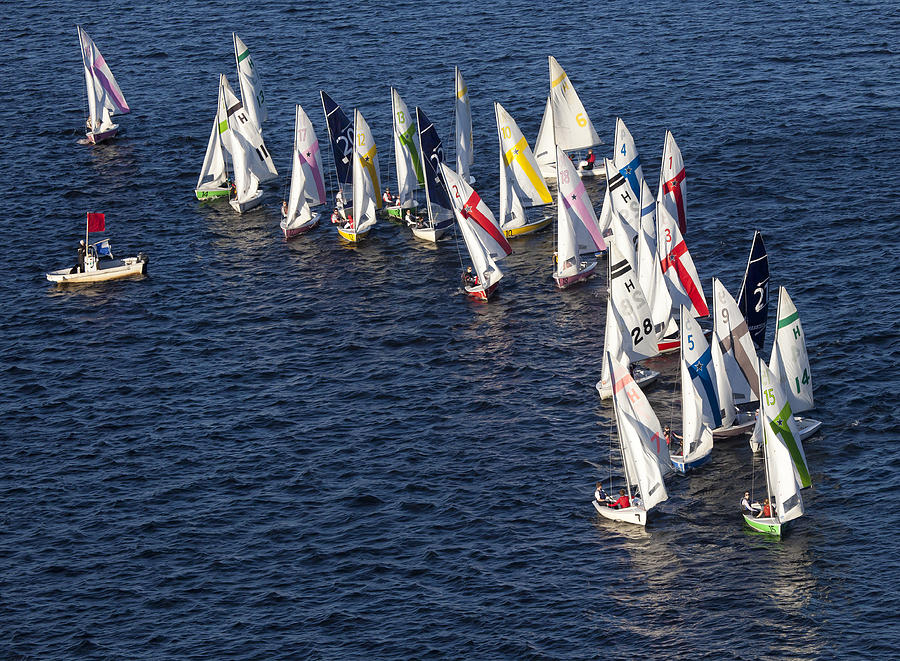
(673, 260)
(470, 210)
(673, 186)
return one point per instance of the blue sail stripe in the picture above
(630, 173)
(700, 370)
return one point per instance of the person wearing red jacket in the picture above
(622, 503)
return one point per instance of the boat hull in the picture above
(743, 424)
(586, 271)
(113, 270)
(291, 232)
(431, 234)
(246, 205)
(480, 293)
(636, 515)
(211, 193)
(528, 228)
(352, 236)
(767, 525)
(96, 137)
(642, 376)
(397, 211)
(680, 466)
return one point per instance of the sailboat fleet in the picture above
(656, 299)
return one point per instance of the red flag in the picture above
(96, 222)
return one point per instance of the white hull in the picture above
(106, 270)
(431, 234)
(246, 205)
(641, 375)
(633, 514)
(743, 424)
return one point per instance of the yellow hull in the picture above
(527, 229)
(351, 236)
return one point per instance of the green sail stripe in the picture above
(785, 432)
(787, 321)
(406, 139)
(243, 56)
(223, 126)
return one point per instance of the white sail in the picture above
(789, 360)
(672, 193)
(246, 183)
(298, 211)
(468, 203)
(306, 148)
(368, 152)
(522, 176)
(485, 266)
(103, 91)
(723, 386)
(626, 159)
(786, 469)
(406, 153)
(259, 160)
(697, 355)
(697, 437)
(738, 350)
(644, 451)
(677, 265)
(650, 275)
(573, 196)
(572, 127)
(364, 197)
(213, 173)
(465, 153)
(545, 146)
(567, 252)
(248, 80)
(624, 218)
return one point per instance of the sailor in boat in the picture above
(335, 217)
(591, 159)
(766, 511)
(387, 198)
(348, 224)
(470, 278)
(622, 502)
(600, 495)
(79, 260)
(284, 208)
(232, 191)
(670, 436)
(408, 218)
(748, 508)
(339, 199)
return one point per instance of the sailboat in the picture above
(465, 152)
(699, 400)
(577, 230)
(521, 184)
(247, 194)
(104, 96)
(753, 300)
(789, 362)
(645, 456)
(258, 158)
(213, 181)
(365, 175)
(565, 124)
(481, 234)
(340, 136)
(785, 462)
(629, 333)
(306, 170)
(95, 269)
(672, 184)
(438, 207)
(737, 354)
(248, 80)
(406, 157)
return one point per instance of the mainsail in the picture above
(368, 152)
(103, 91)
(340, 135)
(248, 80)
(258, 159)
(672, 185)
(306, 146)
(754, 297)
(789, 360)
(521, 184)
(465, 153)
(738, 350)
(406, 153)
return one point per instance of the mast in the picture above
(619, 429)
(394, 154)
(765, 443)
(424, 170)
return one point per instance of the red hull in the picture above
(291, 233)
(482, 294)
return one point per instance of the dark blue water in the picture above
(268, 450)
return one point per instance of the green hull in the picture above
(211, 194)
(768, 525)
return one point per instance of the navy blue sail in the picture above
(340, 135)
(432, 151)
(753, 300)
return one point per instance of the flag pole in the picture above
(87, 225)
